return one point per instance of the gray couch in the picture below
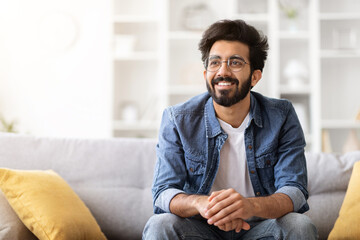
(113, 177)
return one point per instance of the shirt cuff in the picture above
(164, 199)
(296, 196)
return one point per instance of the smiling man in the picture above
(231, 162)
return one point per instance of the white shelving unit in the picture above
(339, 26)
(137, 67)
(164, 65)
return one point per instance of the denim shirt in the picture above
(190, 140)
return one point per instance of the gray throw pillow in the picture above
(11, 227)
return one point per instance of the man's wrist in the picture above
(185, 205)
(255, 206)
(198, 202)
(273, 206)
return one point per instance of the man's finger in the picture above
(218, 197)
(214, 194)
(245, 226)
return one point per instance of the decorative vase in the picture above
(352, 142)
(295, 72)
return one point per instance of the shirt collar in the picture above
(255, 110)
(212, 124)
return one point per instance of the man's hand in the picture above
(227, 209)
(189, 205)
(203, 204)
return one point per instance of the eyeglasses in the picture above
(234, 63)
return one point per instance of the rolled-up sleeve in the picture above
(296, 196)
(165, 197)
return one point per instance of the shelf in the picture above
(340, 124)
(185, 35)
(134, 19)
(256, 17)
(298, 90)
(120, 125)
(340, 53)
(137, 56)
(186, 90)
(340, 16)
(294, 35)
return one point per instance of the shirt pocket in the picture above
(265, 167)
(195, 167)
(195, 163)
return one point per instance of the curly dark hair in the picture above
(236, 30)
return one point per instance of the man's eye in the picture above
(236, 63)
(214, 63)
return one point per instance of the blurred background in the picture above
(99, 69)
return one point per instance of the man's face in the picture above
(225, 86)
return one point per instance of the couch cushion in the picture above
(48, 206)
(347, 225)
(11, 227)
(324, 209)
(329, 172)
(121, 212)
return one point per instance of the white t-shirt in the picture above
(233, 170)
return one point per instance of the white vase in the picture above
(352, 142)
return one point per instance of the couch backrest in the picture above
(329, 172)
(83, 162)
(112, 176)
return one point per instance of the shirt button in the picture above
(250, 147)
(268, 162)
(258, 194)
(191, 169)
(252, 171)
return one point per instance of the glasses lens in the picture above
(236, 64)
(213, 65)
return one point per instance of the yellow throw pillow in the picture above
(48, 206)
(348, 222)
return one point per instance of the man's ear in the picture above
(205, 75)
(255, 78)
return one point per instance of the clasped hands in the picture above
(227, 210)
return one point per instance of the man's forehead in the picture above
(225, 49)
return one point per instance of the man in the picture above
(231, 162)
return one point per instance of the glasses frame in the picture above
(206, 63)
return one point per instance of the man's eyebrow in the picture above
(231, 57)
(236, 56)
(214, 57)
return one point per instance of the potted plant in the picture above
(6, 126)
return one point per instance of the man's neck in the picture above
(235, 114)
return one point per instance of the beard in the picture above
(225, 99)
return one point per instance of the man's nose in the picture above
(224, 69)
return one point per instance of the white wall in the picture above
(55, 76)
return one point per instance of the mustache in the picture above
(224, 79)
